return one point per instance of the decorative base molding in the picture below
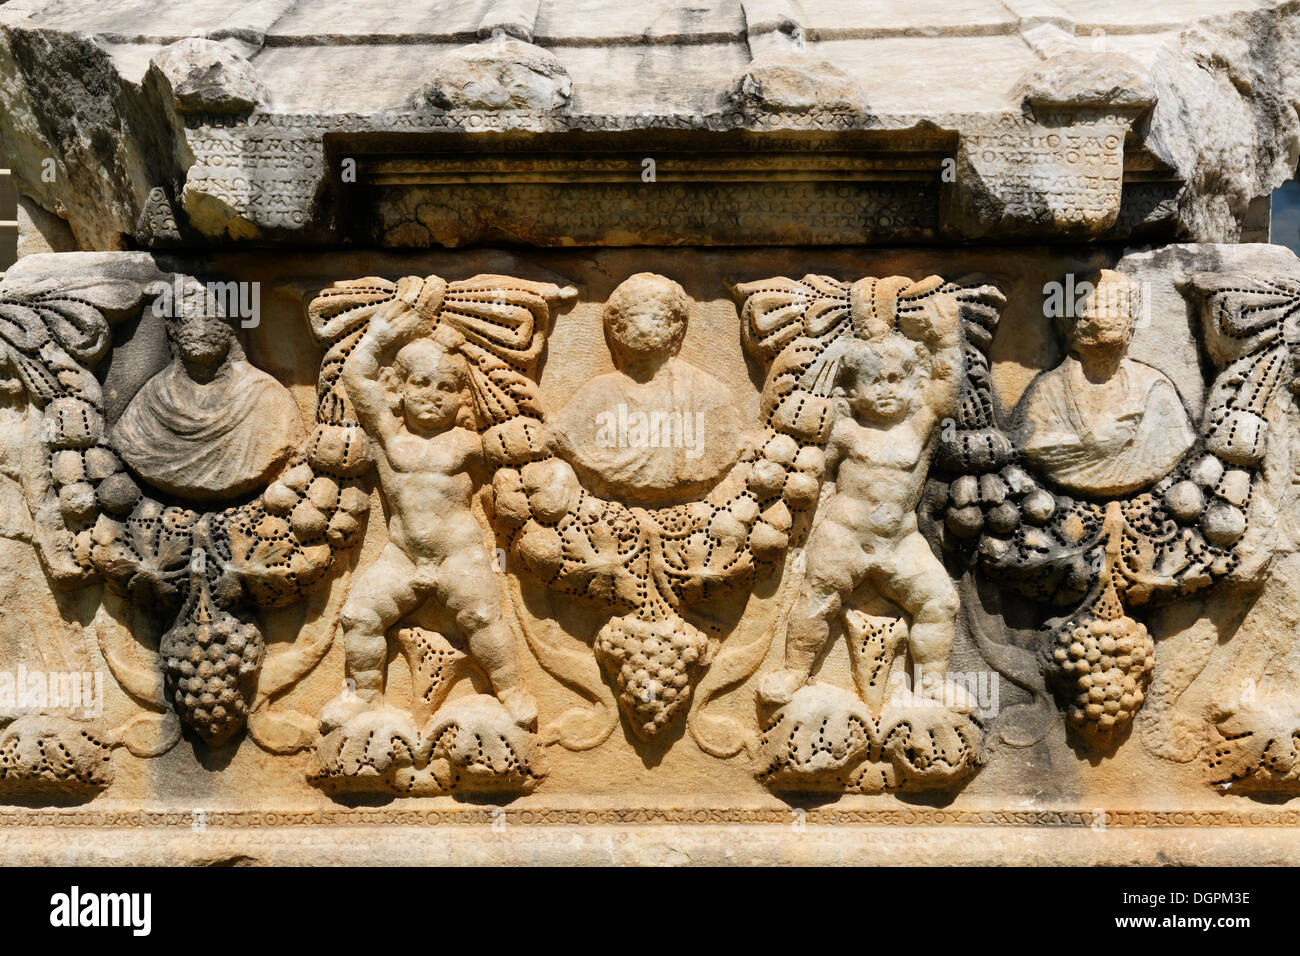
(707, 845)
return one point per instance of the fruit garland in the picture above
(1100, 557)
(644, 565)
(210, 570)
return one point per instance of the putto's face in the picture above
(884, 393)
(201, 340)
(430, 389)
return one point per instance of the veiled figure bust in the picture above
(209, 426)
(1101, 422)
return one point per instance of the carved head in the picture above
(1105, 319)
(645, 318)
(431, 377)
(197, 333)
(881, 377)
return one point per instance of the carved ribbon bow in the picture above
(499, 324)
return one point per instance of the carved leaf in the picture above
(721, 736)
(1244, 313)
(282, 731)
(1259, 743)
(581, 727)
(135, 669)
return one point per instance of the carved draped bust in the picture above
(658, 428)
(209, 426)
(1129, 440)
(1101, 422)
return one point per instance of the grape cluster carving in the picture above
(94, 522)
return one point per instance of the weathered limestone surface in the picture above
(219, 122)
(710, 754)
(762, 431)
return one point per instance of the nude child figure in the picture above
(897, 388)
(428, 466)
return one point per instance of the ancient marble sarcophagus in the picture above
(532, 431)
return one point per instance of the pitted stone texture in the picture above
(206, 76)
(502, 73)
(1079, 79)
(73, 84)
(791, 83)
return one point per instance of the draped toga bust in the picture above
(657, 429)
(1101, 422)
(209, 426)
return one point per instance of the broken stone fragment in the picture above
(790, 82)
(1086, 79)
(502, 73)
(207, 76)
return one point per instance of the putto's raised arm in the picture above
(391, 327)
(944, 316)
(931, 314)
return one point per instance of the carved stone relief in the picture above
(432, 369)
(650, 418)
(1167, 512)
(208, 426)
(792, 584)
(1100, 423)
(894, 357)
